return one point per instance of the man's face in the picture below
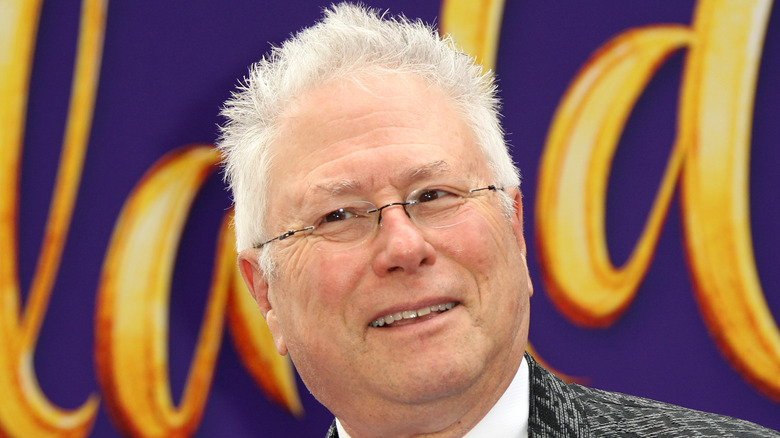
(377, 142)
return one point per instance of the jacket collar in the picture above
(555, 411)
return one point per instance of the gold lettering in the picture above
(716, 115)
(711, 157)
(131, 330)
(711, 152)
(273, 372)
(570, 207)
(475, 25)
(135, 379)
(24, 408)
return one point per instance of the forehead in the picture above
(371, 133)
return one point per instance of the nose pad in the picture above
(402, 204)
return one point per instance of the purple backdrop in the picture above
(167, 68)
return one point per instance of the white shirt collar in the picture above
(508, 418)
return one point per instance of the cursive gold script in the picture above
(709, 161)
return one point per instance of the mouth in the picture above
(398, 318)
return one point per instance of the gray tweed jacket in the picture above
(560, 409)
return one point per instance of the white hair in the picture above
(348, 41)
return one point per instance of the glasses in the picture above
(351, 224)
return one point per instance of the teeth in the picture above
(410, 314)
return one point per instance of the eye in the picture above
(338, 215)
(432, 195)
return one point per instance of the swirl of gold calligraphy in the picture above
(711, 156)
(24, 409)
(131, 318)
(132, 315)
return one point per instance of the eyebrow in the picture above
(337, 188)
(430, 169)
(340, 187)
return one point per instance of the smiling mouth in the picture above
(390, 320)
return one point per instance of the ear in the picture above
(258, 286)
(517, 218)
(517, 228)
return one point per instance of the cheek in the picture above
(319, 283)
(473, 244)
(488, 250)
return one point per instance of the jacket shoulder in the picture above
(617, 413)
(560, 409)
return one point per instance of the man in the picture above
(379, 228)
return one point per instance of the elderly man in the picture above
(380, 229)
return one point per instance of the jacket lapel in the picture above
(333, 431)
(554, 409)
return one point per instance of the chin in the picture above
(421, 383)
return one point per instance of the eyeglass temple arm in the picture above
(490, 187)
(284, 236)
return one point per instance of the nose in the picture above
(402, 245)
